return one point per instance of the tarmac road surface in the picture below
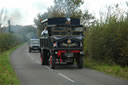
(30, 72)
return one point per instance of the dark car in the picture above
(34, 44)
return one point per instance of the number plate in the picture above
(68, 54)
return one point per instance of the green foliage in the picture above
(61, 8)
(107, 41)
(114, 70)
(38, 20)
(28, 32)
(8, 41)
(64, 8)
(69, 8)
(24, 33)
(7, 74)
(86, 17)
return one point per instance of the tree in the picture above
(1, 18)
(64, 8)
(87, 19)
(67, 8)
(28, 32)
(38, 20)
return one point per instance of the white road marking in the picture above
(33, 58)
(48, 68)
(37, 61)
(66, 77)
(62, 75)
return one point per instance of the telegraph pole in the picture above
(9, 29)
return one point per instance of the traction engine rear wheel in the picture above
(44, 58)
(80, 62)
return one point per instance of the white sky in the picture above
(24, 11)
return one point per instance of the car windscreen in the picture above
(35, 41)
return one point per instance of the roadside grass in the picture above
(114, 70)
(7, 74)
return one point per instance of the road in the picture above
(30, 72)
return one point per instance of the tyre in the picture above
(52, 62)
(29, 49)
(44, 57)
(80, 62)
(41, 56)
(39, 50)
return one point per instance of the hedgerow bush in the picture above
(107, 42)
(8, 40)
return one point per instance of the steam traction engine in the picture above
(61, 42)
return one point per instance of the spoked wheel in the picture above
(52, 62)
(80, 62)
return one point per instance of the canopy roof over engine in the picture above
(61, 21)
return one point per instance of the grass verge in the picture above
(7, 74)
(114, 70)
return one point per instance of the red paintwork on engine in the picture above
(75, 51)
(64, 51)
(59, 54)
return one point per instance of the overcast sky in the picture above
(23, 11)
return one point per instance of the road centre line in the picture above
(66, 77)
(48, 68)
(62, 75)
(33, 58)
(36, 60)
